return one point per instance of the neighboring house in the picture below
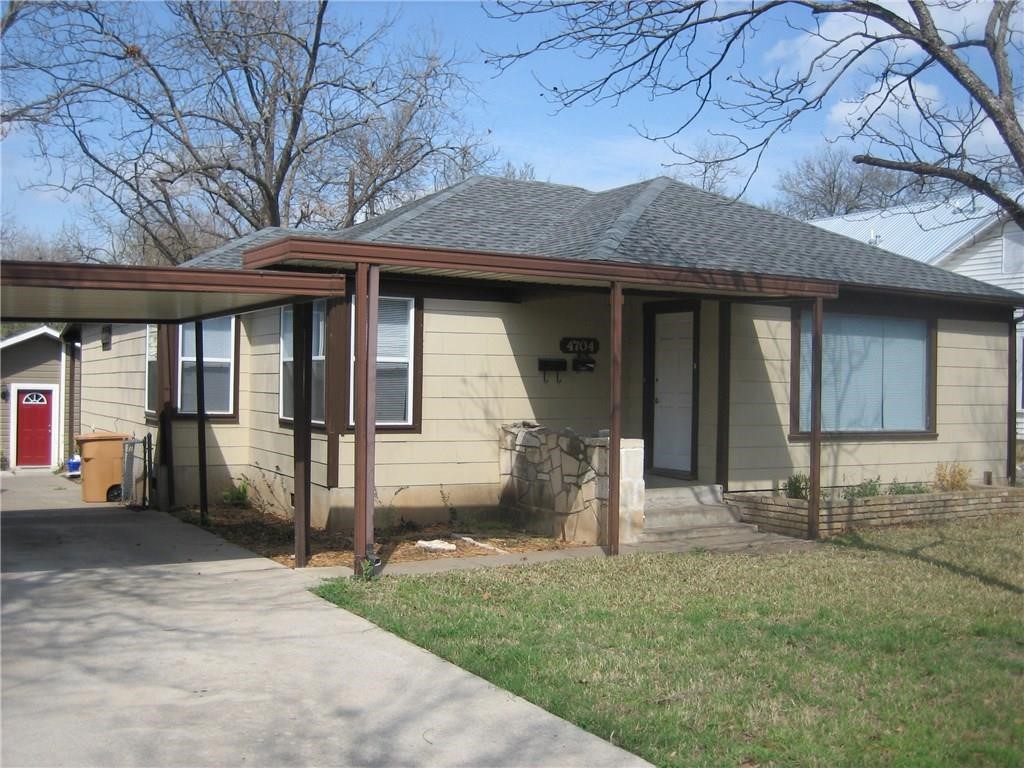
(38, 419)
(965, 235)
(488, 288)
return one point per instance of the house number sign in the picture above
(578, 345)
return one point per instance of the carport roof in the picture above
(41, 291)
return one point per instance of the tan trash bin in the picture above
(102, 463)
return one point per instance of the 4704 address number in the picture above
(578, 345)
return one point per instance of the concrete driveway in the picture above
(130, 638)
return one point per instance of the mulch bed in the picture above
(273, 537)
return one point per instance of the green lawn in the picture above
(899, 647)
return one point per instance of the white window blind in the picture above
(218, 366)
(874, 374)
(287, 403)
(395, 323)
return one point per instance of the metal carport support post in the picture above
(204, 500)
(366, 297)
(302, 395)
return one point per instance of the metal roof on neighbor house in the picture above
(922, 231)
(658, 223)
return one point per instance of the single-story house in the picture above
(700, 338)
(39, 398)
(968, 235)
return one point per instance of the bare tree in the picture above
(522, 172)
(924, 88)
(829, 183)
(705, 165)
(202, 121)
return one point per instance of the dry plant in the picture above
(953, 476)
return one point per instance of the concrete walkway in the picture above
(130, 638)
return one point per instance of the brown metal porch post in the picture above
(335, 407)
(814, 496)
(302, 395)
(724, 390)
(366, 298)
(615, 422)
(166, 355)
(204, 501)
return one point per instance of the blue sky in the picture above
(596, 147)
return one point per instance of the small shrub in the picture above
(798, 486)
(896, 488)
(867, 488)
(237, 495)
(953, 476)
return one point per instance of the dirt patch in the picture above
(272, 536)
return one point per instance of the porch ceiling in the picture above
(41, 291)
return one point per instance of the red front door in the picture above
(35, 422)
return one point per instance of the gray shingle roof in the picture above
(659, 222)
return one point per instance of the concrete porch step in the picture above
(694, 516)
(681, 496)
(697, 533)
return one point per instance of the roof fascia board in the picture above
(976, 236)
(30, 334)
(338, 252)
(170, 279)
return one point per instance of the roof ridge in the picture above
(609, 244)
(426, 203)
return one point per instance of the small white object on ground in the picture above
(481, 544)
(436, 545)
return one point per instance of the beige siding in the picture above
(971, 409)
(983, 260)
(113, 400)
(479, 371)
(35, 361)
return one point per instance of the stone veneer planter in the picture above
(556, 482)
(780, 514)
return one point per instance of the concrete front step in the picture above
(695, 533)
(682, 496)
(689, 516)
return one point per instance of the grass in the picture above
(902, 647)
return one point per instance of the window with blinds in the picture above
(874, 374)
(218, 366)
(395, 324)
(319, 373)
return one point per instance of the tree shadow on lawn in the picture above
(854, 540)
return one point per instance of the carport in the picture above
(87, 293)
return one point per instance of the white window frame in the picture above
(230, 360)
(411, 360)
(282, 359)
(145, 372)
(1013, 240)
